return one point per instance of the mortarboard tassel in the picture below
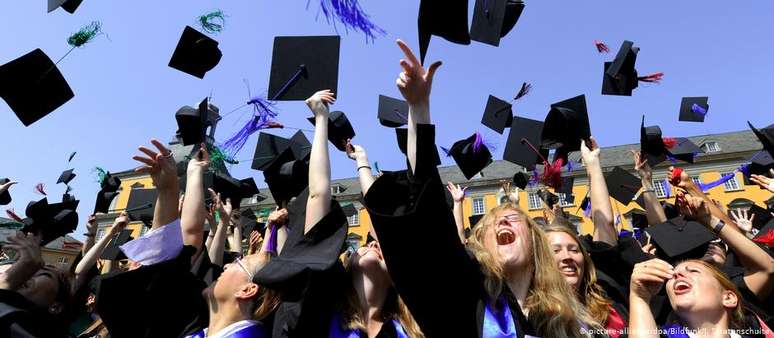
(552, 173)
(85, 34)
(722, 180)
(479, 142)
(525, 89)
(697, 109)
(675, 179)
(101, 174)
(601, 47)
(767, 239)
(68, 189)
(625, 234)
(40, 189)
(534, 179)
(217, 156)
(652, 78)
(667, 188)
(262, 117)
(13, 215)
(271, 247)
(587, 210)
(69, 159)
(669, 142)
(351, 15)
(212, 22)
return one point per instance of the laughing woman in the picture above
(510, 287)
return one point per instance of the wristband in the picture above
(719, 227)
(363, 166)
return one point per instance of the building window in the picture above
(534, 201)
(100, 233)
(660, 187)
(62, 261)
(354, 220)
(696, 180)
(732, 184)
(478, 206)
(337, 189)
(563, 200)
(710, 147)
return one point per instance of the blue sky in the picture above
(125, 93)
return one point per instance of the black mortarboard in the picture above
(693, 109)
(110, 183)
(33, 87)
(769, 227)
(620, 76)
(585, 202)
(474, 219)
(402, 136)
(547, 197)
(349, 210)
(66, 176)
(140, 205)
(651, 144)
(566, 124)
(622, 185)
(521, 179)
(567, 184)
(339, 129)
(678, 239)
(267, 150)
(195, 54)
(68, 5)
(498, 114)
(766, 136)
(761, 165)
(228, 187)
(519, 152)
(248, 187)
(493, 19)
(286, 178)
(247, 222)
(471, 156)
(192, 122)
(392, 112)
(5, 197)
(104, 198)
(303, 65)
(639, 219)
(301, 146)
(443, 18)
(51, 220)
(684, 150)
(113, 250)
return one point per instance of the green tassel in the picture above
(218, 156)
(101, 174)
(217, 217)
(213, 22)
(85, 34)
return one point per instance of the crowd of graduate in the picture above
(693, 272)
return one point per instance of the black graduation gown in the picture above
(441, 284)
(307, 273)
(613, 272)
(21, 318)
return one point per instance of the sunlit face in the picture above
(236, 280)
(508, 239)
(694, 290)
(568, 256)
(42, 288)
(715, 255)
(369, 257)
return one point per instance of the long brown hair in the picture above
(551, 305)
(736, 315)
(589, 293)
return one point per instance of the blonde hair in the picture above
(736, 315)
(589, 293)
(553, 309)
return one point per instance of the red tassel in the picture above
(669, 142)
(601, 46)
(767, 239)
(39, 188)
(13, 215)
(675, 179)
(552, 174)
(653, 78)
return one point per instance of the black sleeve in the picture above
(430, 268)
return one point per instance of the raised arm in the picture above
(161, 167)
(91, 234)
(415, 84)
(193, 213)
(215, 250)
(647, 279)
(653, 210)
(364, 172)
(90, 258)
(27, 248)
(319, 202)
(272, 243)
(458, 195)
(236, 237)
(601, 208)
(763, 181)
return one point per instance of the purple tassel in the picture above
(667, 188)
(479, 142)
(697, 109)
(671, 159)
(707, 186)
(587, 211)
(617, 219)
(625, 233)
(637, 233)
(351, 15)
(534, 179)
(272, 246)
(570, 165)
(446, 151)
(262, 116)
(744, 169)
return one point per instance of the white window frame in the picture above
(711, 147)
(732, 184)
(534, 201)
(658, 186)
(696, 179)
(354, 220)
(100, 232)
(478, 205)
(62, 260)
(562, 202)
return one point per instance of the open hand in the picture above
(119, 224)
(649, 276)
(763, 181)
(457, 192)
(278, 217)
(318, 103)
(642, 167)
(590, 152)
(742, 221)
(159, 165)
(415, 82)
(201, 161)
(354, 151)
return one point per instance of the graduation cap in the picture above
(66, 176)
(498, 114)
(585, 203)
(567, 183)
(5, 197)
(140, 205)
(51, 220)
(474, 219)
(33, 87)
(694, 109)
(68, 5)
(113, 250)
(392, 112)
(620, 77)
(566, 124)
(760, 165)
(765, 233)
(547, 197)
(651, 144)
(493, 19)
(622, 185)
(471, 155)
(684, 150)
(519, 152)
(110, 182)
(639, 219)
(678, 239)
(349, 210)
(402, 135)
(301, 146)
(228, 187)
(302, 66)
(339, 129)
(268, 149)
(195, 54)
(192, 122)
(247, 222)
(104, 198)
(521, 179)
(766, 136)
(443, 18)
(248, 188)
(286, 178)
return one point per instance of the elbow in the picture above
(770, 268)
(319, 194)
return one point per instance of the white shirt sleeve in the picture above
(157, 245)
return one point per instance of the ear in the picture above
(55, 308)
(730, 300)
(247, 291)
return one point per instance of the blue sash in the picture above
(252, 331)
(337, 330)
(499, 324)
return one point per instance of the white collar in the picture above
(231, 329)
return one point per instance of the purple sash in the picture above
(336, 330)
(499, 324)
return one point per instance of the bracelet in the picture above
(719, 227)
(363, 166)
